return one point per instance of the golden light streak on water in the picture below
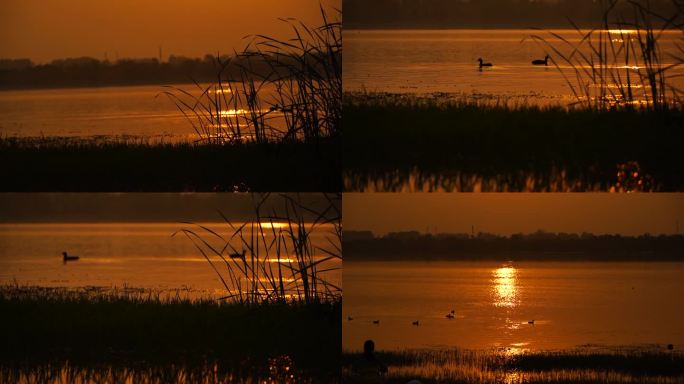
(622, 31)
(504, 286)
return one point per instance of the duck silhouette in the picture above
(236, 255)
(483, 64)
(376, 322)
(541, 62)
(416, 323)
(67, 257)
(450, 316)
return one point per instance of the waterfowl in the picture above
(67, 257)
(416, 323)
(483, 64)
(531, 322)
(541, 62)
(236, 255)
(376, 322)
(349, 318)
(450, 316)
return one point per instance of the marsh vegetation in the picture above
(275, 316)
(614, 134)
(135, 164)
(403, 142)
(99, 334)
(270, 120)
(588, 364)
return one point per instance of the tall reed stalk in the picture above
(274, 90)
(620, 63)
(281, 262)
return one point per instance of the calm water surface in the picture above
(435, 61)
(141, 255)
(142, 111)
(571, 304)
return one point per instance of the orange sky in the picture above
(630, 214)
(43, 30)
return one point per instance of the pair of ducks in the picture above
(545, 61)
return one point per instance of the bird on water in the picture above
(541, 62)
(67, 257)
(236, 255)
(483, 64)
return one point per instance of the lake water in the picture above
(571, 304)
(141, 111)
(140, 255)
(107, 111)
(445, 61)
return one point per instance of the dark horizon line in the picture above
(472, 27)
(475, 235)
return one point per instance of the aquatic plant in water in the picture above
(274, 90)
(277, 262)
(620, 63)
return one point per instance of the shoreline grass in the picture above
(587, 364)
(81, 328)
(407, 142)
(127, 165)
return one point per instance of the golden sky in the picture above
(43, 30)
(630, 214)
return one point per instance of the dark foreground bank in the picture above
(589, 364)
(400, 142)
(95, 336)
(95, 165)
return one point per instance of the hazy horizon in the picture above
(138, 207)
(50, 29)
(506, 214)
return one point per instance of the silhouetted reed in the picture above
(298, 97)
(620, 63)
(272, 259)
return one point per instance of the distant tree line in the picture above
(90, 72)
(485, 13)
(542, 246)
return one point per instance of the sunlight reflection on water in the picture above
(504, 286)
